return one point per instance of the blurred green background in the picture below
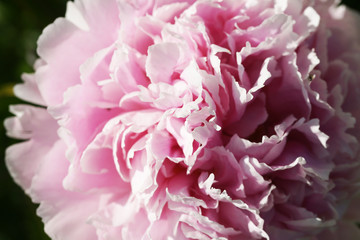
(21, 22)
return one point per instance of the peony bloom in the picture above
(184, 119)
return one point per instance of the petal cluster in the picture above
(207, 119)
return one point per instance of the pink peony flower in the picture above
(208, 119)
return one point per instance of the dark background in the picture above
(21, 22)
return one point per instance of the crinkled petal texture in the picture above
(207, 119)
